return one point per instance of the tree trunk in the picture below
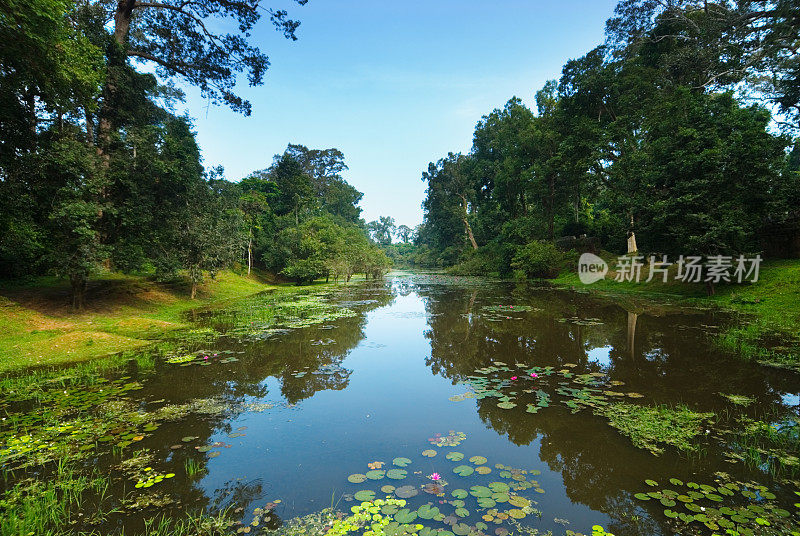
(551, 216)
(78, 282)
(467, 225)
(122, 24)
(194, 289)
(30, 99)
(89, 128)
(249, 253)
(710, 288)
(577, 207)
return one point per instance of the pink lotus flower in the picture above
(534, 375)
(435, 476)
(513, 377)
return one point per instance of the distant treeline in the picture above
(679, 128)
(97, 172)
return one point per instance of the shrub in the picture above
(538, 260)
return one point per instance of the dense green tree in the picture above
(75, 249)
(713, 45)
(637, 136)
(333, 194)
(49, 71)
(382, 230)
(450, 197)
(180, 39)
(403, 233)
(502, 148)
(710, 175)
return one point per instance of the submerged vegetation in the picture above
(649, 427)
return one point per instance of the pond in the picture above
(490, 408)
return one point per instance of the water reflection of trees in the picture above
(318, 351)
(666, 355)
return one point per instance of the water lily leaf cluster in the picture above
(452, 439)
(727, 506)
(435, 505)
(536, 387)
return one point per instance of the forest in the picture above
(680, 128)
(98, 173)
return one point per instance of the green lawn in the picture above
(123, 313)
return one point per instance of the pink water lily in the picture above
(435, 476)
(513, 377)
(534, 375)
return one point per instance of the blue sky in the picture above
(394, 85)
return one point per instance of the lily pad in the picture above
(364, 495)
(499, 487)
(376, 474)
(459, 493)
(397, 474)
(406, 492)
(356, 478)
(405, 516)
(429, 453)
(463, 470)
(401, 462)
(455, 456)
(427, 512)
(461, 529)
(480, 491)
(519, 502)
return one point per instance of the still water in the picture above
(309, 406)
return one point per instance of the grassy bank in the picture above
(37, 326)
(768, 325)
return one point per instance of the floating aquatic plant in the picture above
(742, 508)
(460, 512)
(650, 427)
(452, 439)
